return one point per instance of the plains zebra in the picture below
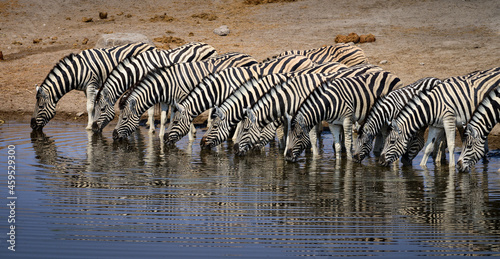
(168, 85)
(340, 102)
(484, 118)
(281, 100)
(132, 69)
(83, 72)
(385, 110)
(349, 55)
(217, 87)
(447, 106)
(231, 110)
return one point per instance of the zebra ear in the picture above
(178, 107)
(473, 132)
(37, 88)
(396, 127)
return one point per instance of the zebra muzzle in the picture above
(34, 125)
(95, 127)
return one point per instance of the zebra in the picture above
(132, 69)
(83, 72)
(342, 101)
(279, 102)
(448, 105)
(484, 118)
(168, 85)
(217, 87)
(347, 54)
(384, 110)
(230, 111)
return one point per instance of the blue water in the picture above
(84, 196)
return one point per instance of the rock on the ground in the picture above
(222, 31)
(116, 39)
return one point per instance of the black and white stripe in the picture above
(168, 85)
(231, 111)
(340, 102)
(84, 72)
(132, 69)
(385, 110)
(349, 55)
(484, 118)
(447, 106)
(284, 99)
(214, 89)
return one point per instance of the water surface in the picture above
(84, 196)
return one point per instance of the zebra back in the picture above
(172, 84)
(132, 69)
(349, 55)
(279, 100)
(102, 61)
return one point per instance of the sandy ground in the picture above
(421, 38)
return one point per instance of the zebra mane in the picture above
(66, 61)
(128, 92)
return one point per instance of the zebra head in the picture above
(249, 135)
(128, 121)
(45, 108)
(363, 145)
(179, 126)
(298, 138)
(218, 131)
(104, 110)
(395, 145)
(472, 149)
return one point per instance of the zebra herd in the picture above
(289, 95)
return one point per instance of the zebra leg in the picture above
(450, 130)
(280, 133)
(163, 118)
(429, 144)
(337, 135)
(347, 123)
(438, 152)
(151, 119)
(90, 93)
(192, 132)
(313, 136)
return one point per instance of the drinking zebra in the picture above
(281, 100)
(132, 69)
(349, 55)
(340, 102)
(385, 110)
(484, 118)
(84, 72)
(168, 85)
(231, 110)
(217, 87)
(447, 106)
